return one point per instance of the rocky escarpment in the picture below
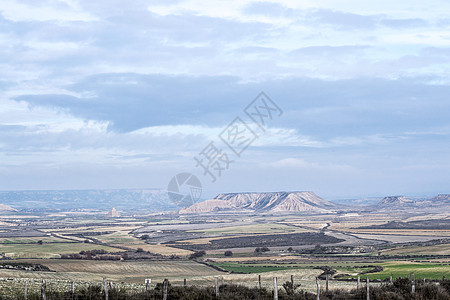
(263, 202)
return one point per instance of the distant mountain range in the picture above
(156, 200)
(151, 200)
(404, 202)
(263, 202)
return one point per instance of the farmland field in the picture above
(303, 246)
(254, 229)
(127, 271)
(49, 250)
(443, 249)
(399, 269)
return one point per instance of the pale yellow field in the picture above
(118, 271)
(254, 229)
(175, 271)
(422, 232)
(257, 258)
(119, 227)
(160, 249)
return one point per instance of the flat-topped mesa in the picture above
(263, 202)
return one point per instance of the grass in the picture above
(421, 270)
(353, 270)
(48, 250)
(32, 240)
(118, 237)
(254, 268)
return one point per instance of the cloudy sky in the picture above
(124, 94)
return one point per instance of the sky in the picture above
(126, 94)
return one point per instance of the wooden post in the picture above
(367, 288)
(390, 280)
(275, 289)
(105, 288)
(413, 284)
(166, 283)
(184, 282)
(292, 280)
(43, 286)
(358, 282)
(216, 283)
(326, 286)
(223, 281)
(73, 287)
(25, 291)
(318, 288)
(259, 281)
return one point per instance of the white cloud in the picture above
(98, 77)
(15, 11)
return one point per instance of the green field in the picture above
(118, 237)
(399, 269)
(32, 240)
(48, 250)
(254, 268)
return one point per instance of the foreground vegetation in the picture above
(400, 289)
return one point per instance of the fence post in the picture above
(390, 280)
(358, 282)
(105, 288)
(25, 291)
(326, 287)
(166, 283)
(44, 296)
(223, 281)
(259, 282)
(292, 281)
(216, 284)
(318, 288)
(184, 282)
(413, 284)
(367, 288)
(275, 289)
(73, 287)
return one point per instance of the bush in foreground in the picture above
(399, 290)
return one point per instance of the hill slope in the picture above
(263, 202)
(395, 201)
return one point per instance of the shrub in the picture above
(197, 254)
(261, 249)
